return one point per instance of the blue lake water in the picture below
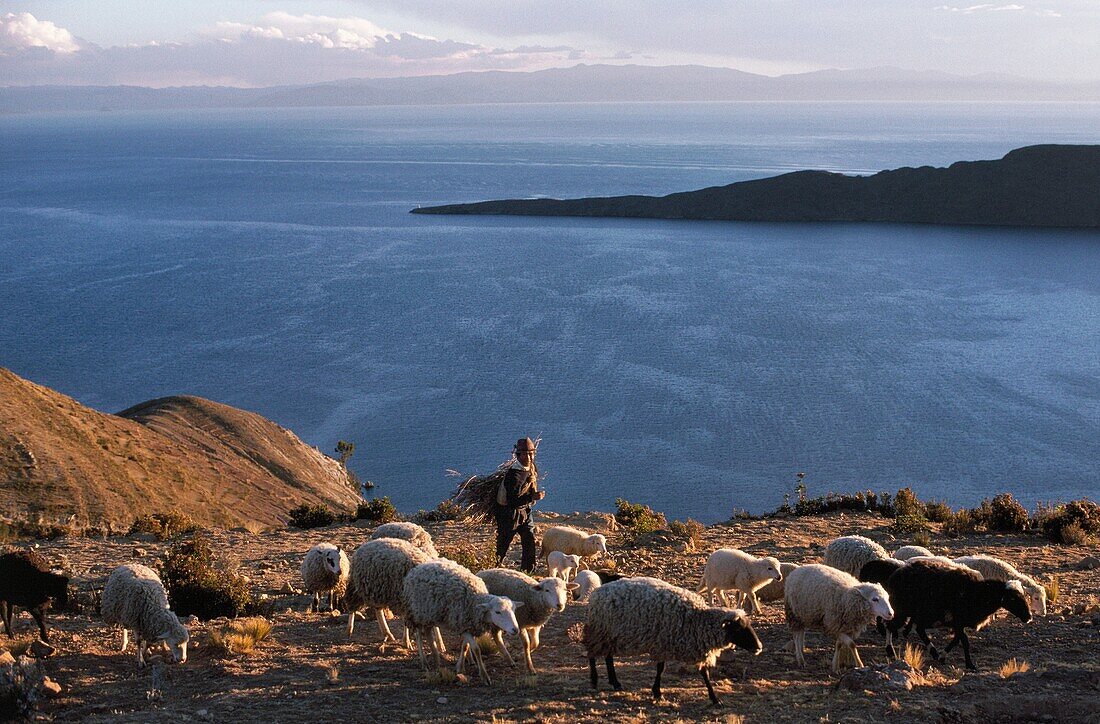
(266, 259)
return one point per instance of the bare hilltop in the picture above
(63, 462)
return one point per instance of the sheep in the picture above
(562, 563)
(325, 570)
(407, 531)
(635, 616)
(935, 559)
(732, 569)
(445, 594)
(134, 598)
(906, 552)
(376, 580)
(995, 569)
(827, 599)
(586, 582)
(878, 570)
(570, 540)
(774, 590)
(26, 580)
(849, 553)
(929, 593)
(539, 599)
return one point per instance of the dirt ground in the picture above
(308, 669)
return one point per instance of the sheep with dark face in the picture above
(648, 616)
(932, 594)
(879, 570)
(325, 571)
(26, 580)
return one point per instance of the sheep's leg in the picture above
(125, 639)
(961, 636)
(437, 636)
(499, 638)
(799, 643)
(835, 666)
(408, 642)
(387, 635)
(332, 599)
(657, 680)
(927, 641)
(468, 642)
(420, 649)
(316, 604)
(853, 652)
(40, 618)
(141, 645)
(534, 632)
(527, 636)
(481, 668)
(710, 687)
(5, 613)
(611, 677)
(754, 603)
(593, 674)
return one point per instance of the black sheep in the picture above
(930, 593)
(877, 571)
(608, 576)
(26, 580)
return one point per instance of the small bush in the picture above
(446, 510)
(909, 513)
(475, 556)
(1052, 589)
(311, 516)
(242, 635)
(690, 530)
(937, 511)
(638, 518)
(164, 526)
(1006, 515)
(377, 510)
(961, 522)
(203, 583)
(1073, 523)
(922, 538)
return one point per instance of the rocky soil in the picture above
(309, 669)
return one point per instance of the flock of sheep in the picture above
(399, 573)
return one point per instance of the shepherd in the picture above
(517, 493)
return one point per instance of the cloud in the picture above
(984, 8)
(21, 31)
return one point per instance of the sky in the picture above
(265, 42)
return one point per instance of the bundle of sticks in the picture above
(477, 494)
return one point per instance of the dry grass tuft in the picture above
(527, 681)
(1013, 667)
(332, 674)
(733, 719)
(442, 675)
(914, 656)
(1052, 589)
(576, 633)
(242, 635)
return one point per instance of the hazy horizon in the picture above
(255, 43)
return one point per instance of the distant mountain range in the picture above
(1037, 186)
(221, 465)
(578, 84)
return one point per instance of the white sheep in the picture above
(558, 563)
(730, 569)
(995, 569)
(851, 552)
(937, 559)
(570, 540)
(411, 532)
(587, 582)
(134, 598)
(377, 579)
(906, 552)
(445, 594)
(539, 599)
(774, 590)
(826, 599)
(646, 616)
(325, 570)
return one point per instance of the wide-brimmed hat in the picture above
(525, 443)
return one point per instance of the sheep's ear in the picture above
(517, 605)
(572, 586)
(1015, 585)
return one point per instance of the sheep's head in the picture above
(771, 567)
(739, 633)
(876, 596)
(586, 583)
(176, 638)
(58, 589)
(597, 543)
(554, 592)
(1037, 596)
(332, 561)
(1014, 600)
(500, 611)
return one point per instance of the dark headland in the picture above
(1037, 186)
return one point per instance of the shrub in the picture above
(1052, 589)
(164, 526)
(242, 635)
(446, 510)
(1073, 523)
(1006, 515)
(961, 522)
(909, 513)
(690, 530)
(378, 510)
(922, 538)
(475, 556)
(202, 583)
(311, 516)
(937, 511)
(638, 518)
